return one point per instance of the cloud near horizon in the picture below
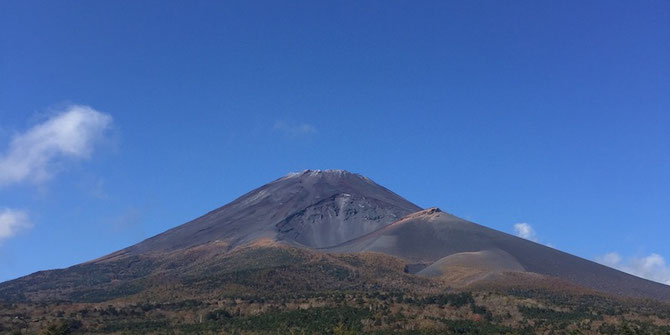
(525, 230)
(70, 134)
(294, 129)
(652, 267)
(12, 221)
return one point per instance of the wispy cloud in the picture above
(525, 230)
(131, 218)
(34, 154)
(12, 221)
(652, 267)
(294, 129)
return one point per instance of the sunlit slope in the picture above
(444, 243)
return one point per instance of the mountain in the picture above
(335, 239)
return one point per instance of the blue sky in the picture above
(121, 119)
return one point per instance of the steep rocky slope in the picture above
(313, 208)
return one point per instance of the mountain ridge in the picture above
(276, 200)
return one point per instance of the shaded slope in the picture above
(430, 235)
(339, 218)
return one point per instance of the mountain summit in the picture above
(312, 208)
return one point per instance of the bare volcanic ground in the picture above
(310, 208)
(441, 243)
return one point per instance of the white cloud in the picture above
(12, 221)
(652, 267)
(33, 155)
(525, 230)
(294, 129)
(610, 259)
